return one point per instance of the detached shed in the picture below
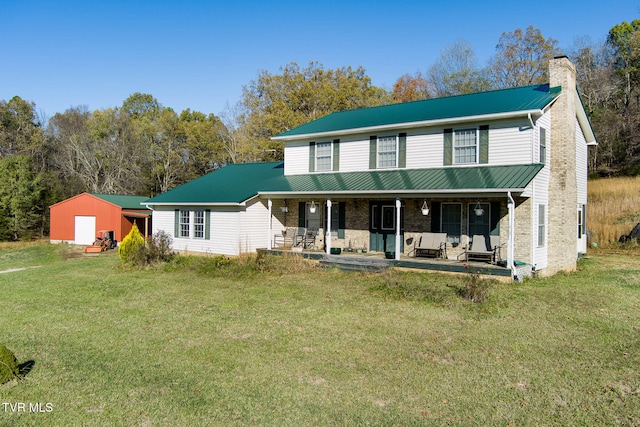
(78, 219)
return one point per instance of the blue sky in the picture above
(199, 54)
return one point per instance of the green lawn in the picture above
(197, 345)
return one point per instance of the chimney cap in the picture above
(560, 57)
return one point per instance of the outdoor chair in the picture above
(285, 239)
(431, 244)
(496, 247)
(299, 237)
(479, 250)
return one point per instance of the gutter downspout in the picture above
(327, 239)
(270, 232)
(398, 205)
(511, 206)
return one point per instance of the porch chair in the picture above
(299, 237)
(285, 239)
(479, 250)
(496, 247)
(431, 244)
(309, 238)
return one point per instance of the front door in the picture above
(382, 226)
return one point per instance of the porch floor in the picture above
(376, 261)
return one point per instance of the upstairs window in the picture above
(543, 145)
(323, 156)
(465, 146)
(387, 152)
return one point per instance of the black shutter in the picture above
(495, 218)
(312, 157)
(435, 217)
(341, 220)
(448, 147)
(176, 223)
(207, 224)
(373, 151)
(402, 150)
(302, 207)
(484, 144)
(336, 155)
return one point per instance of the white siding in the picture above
(540, 191)
(254, 225)
(296, 158)
(510, 142)
(425, 149)
(223, 230)
(354, 154)
(581, 178)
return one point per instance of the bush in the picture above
(475, 288)
(139, 253)
(131, 245)
(8, 365)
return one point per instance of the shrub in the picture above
(131, 245)
(159, 247)
(8, 365)
(475, 288)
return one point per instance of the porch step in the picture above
(354, 264)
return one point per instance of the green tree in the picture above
(456, 71)
(21, 132)
(22, 199)
(522, 58)
(274, 103)
(410, 88)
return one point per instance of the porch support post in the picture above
(327, 238)
(510, 242)
(398, 205)
(270, 232)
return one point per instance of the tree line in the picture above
(142, 147)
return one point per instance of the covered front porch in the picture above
(375, 261)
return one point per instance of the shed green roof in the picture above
(125, 202)
(514, 100)
(238, 183)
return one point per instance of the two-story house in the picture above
(510, 163)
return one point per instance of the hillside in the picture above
(613, 208)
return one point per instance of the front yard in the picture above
(205, 342)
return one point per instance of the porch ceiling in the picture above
(485, 179)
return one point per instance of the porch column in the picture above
(327, 238)
(270, 232)
(398, 205)
(510, 242)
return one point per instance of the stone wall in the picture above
(563, 197)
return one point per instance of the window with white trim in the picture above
(184, 223)
(541, 225)
(198, 224)
(387, 151)
(465, 146)
(543, 145)
(323, 156)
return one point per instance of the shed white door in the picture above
(85, 230)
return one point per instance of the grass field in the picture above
(204, 342)
(613, 209)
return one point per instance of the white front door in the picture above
(85, 230)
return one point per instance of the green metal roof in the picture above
(452, 179)
(231, 184)
(235, 184)
(125, 202)
(523, 99)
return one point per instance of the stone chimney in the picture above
(563, 191)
